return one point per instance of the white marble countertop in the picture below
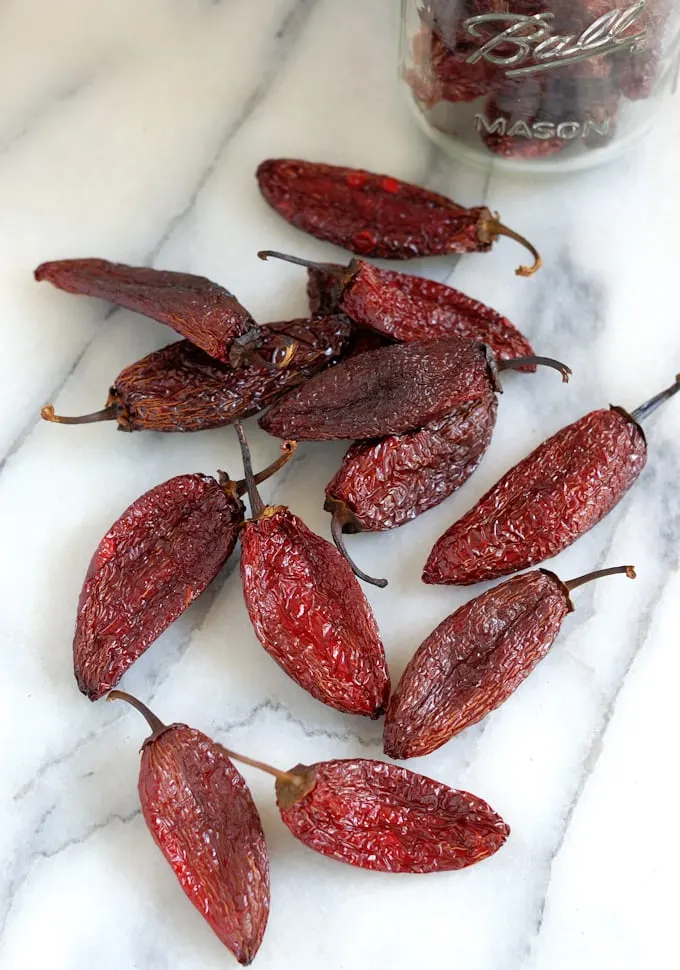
(131, 131)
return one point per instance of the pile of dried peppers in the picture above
(410, 371)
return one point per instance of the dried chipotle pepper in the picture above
(393, 390)
(308, 610)
(181, 388)
(476, 658)
(407, 308)
(202, 817)
(385, 483)
(154, 561)
(200, 310)
(543, 504)
(442, 74)
(383, 817)
(377, 215)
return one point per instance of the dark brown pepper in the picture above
(385, 483)
(392, 390)
(200, 310)
(181, 388)
(476, 658)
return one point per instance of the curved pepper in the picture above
(200, 310)
(377, 215)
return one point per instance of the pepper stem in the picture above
(649, 407)
(257, 506)
(516, 363)
(246, 350)
(287, 452)
(266, 254)
(496, 228)
(629, 571)
(154, 722)
(109, 413)
(287, 776)
(338, 539)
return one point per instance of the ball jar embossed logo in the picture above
(526, 45)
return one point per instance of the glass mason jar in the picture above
(538, 84)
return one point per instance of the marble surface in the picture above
(131, 131)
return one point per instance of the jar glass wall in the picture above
(539, 84)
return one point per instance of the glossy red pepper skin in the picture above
(311, 615)
(473, 661)
(180, 388)
(543, 504)
(384, 817)
(203, 312)
(407, 308)
(154, 561)
(203, 819)
(391, 390)
(385, 483)
(372, 215)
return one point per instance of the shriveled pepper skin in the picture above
(381, 816)
(441, 74)
(543, 504)
(369, 214)
(181, 388)
(203, 819)
(474, 660)
(150, 566)
(391, 390)
(385, 483)
(311, 615)
(407, 308)
(200, 310)
(322, 287)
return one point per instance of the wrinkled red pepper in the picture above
(377, 215)
(383, 817)
(202, 817)
(476, 658)
(308, 610)
(385, 483)
(151, 565)
(405, 308)
(543, 504)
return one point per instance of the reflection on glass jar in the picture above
(539, 83)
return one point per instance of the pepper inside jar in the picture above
(538, 84)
